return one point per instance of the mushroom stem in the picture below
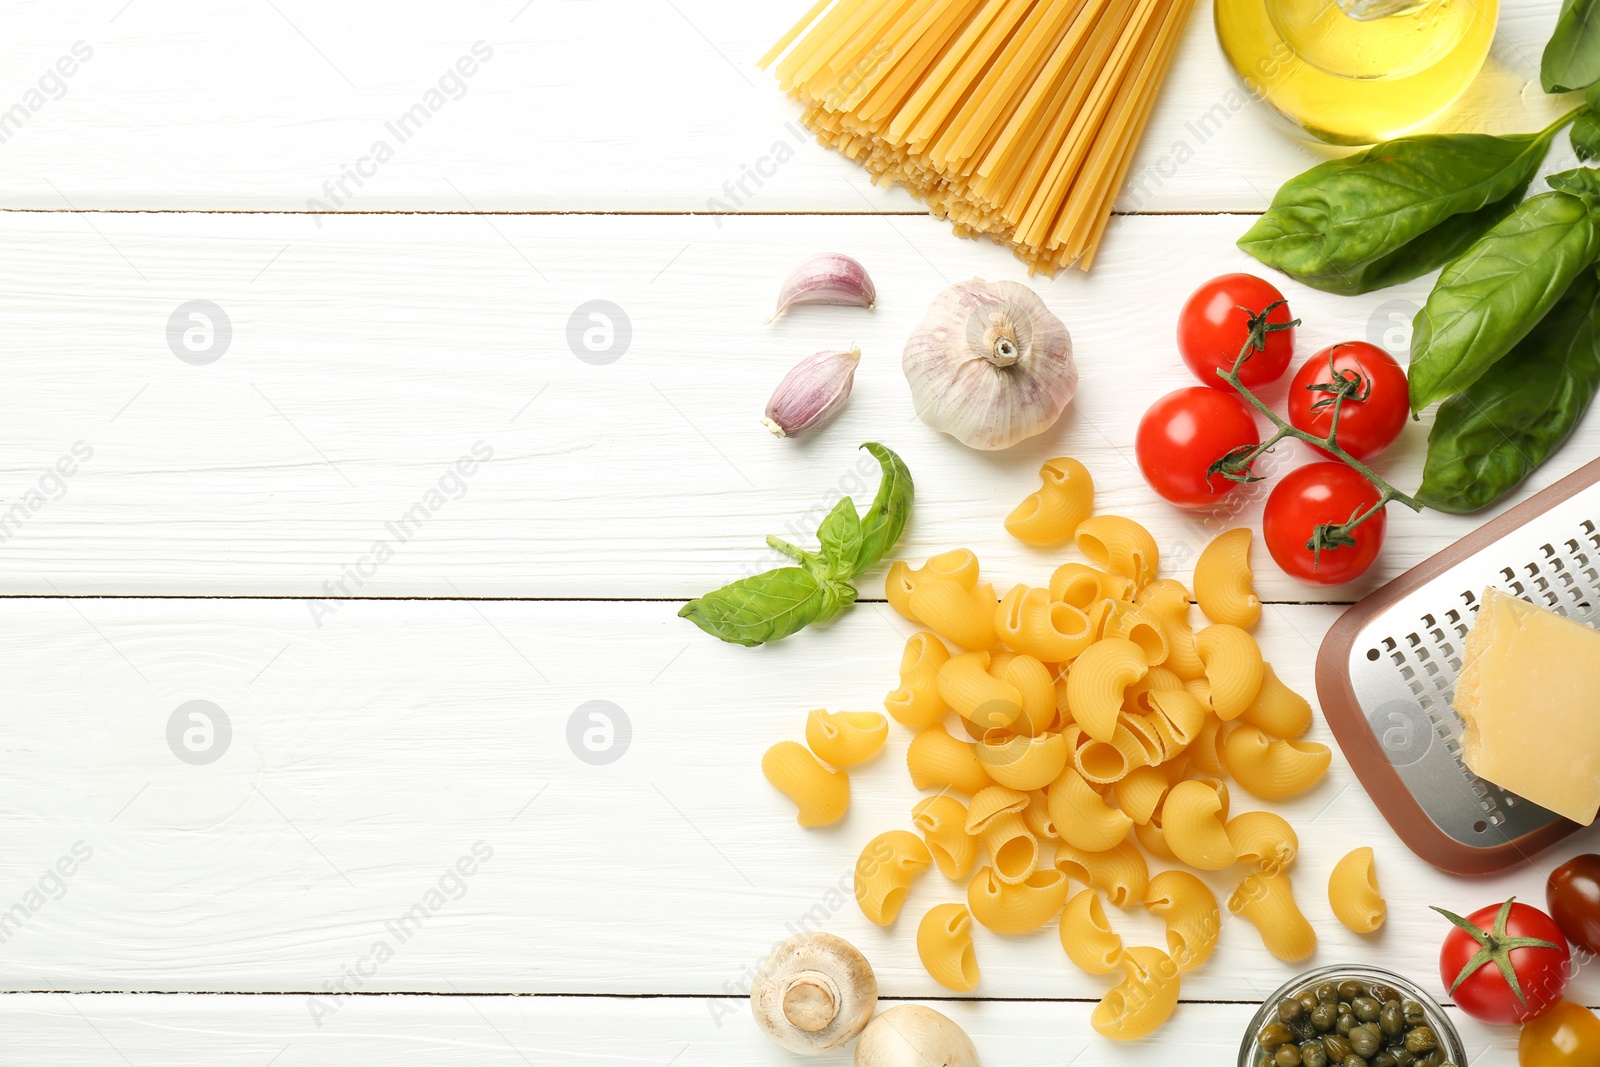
(811, 1001)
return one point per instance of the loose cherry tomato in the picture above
(1487, 948)
(1568, 1035)
(1215, 323)
(1308, 497)
(1371, 417)
(1573, 894)
(1182, 434)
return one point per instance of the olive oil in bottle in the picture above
(1353, 72)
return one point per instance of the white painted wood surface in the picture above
(220, 517)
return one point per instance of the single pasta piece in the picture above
(821, 794)
(1144, 999)
(1191, 820)
(1143, 627)
(1277, 709)
(1037, 815)
(1023, 762)
(965, 616)
(1096, 681)
(1102, 763)
(959, 566)
(964, 683)
(1034, 682)
(1076, 585)
(846, 738)
(1179, 719)
(1205, 751)
(1233, 668)
(1156, 678)
(1169, 601)
(1051, 515)
(995, 818)
(1016, 907)
(1267, 900)
(1223, 580)
(938, 761)
(1271, 768)
(1142, 728)
(917, 702)
(944, 944)
(1120, 872)
(1120, 546)
(1049, 630)
(1353, 892)
(1139, 793)
(1087, 937)
(943, 822)
(1189, 909)
(1152, 837)
(1263, 839)
(884, 873)
(1082, 817)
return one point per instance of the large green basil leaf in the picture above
(840, 538)
(1487, 440)
(1572, 57)
(1488, 299)
(767, 606)
(886, 519)
(1377, 217)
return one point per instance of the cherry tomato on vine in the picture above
(1573, 895)
(1215, 323)
(1373, 413)
(1568, 1035)
(1182, 434)
(1311, 496)
(1484, 951)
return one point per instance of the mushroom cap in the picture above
(910, 1035)
(814, 993)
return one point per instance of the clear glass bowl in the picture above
(1455, 1053)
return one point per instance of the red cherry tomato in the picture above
(1308, 497)
(1509, 932)
(1182, 434)
(1366, 426)
(1214, 325)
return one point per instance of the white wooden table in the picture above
(393, 709)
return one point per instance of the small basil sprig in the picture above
(1493, 294)
(1487, 440)
(780, 602)
(1396, 210)
(1571, 58)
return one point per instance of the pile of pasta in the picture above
(1099, 729)
(1012, 118)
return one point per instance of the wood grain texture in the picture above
(366, 359)
(618, 105)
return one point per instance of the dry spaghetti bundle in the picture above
(1012, 118)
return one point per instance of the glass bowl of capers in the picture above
(1351, 1015)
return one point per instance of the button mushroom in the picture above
(814, 993)
(910, 1035)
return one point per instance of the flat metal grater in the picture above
(1386, 676)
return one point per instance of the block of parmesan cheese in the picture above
(1529, 694)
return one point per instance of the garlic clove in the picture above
(990, 365)
(812, 392)
(826, 278)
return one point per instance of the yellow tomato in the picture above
(1568, 1035)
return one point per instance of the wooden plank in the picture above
(367, 758)
(628, 105)
(408, 1031)
(316, 456)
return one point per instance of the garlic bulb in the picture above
(811, 393)
(990, 365)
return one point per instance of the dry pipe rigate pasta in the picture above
(1353, 892)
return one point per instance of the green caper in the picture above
(1366, 1041)
(1402, 1058)
(1338, 1047)
(1421, 1040)
(1264, 1060)
(1353, 1060)
(1323, 1017)
(1345, 1023)
(1366, 1009)
(1272, 1035)
(1432, 1059)
(1287, 1056)
(1382, 993)
(1327, 993)
(1312, 1054)
(1413, 1013)
(1383, 1059)
(1350, 989)
(1289, 1010)
(1390, 1020)
(1308, 999)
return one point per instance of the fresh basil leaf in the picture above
(1488, 299)
(1586, 136)
(1581, 181)
(886, 519)
(840, 538)
(766, 607)
(1572, 57)
(1487, 440)
(1356, 224)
